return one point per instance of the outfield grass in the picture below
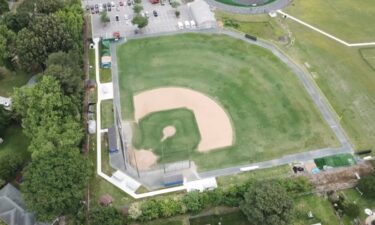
(149, 134)
(349, 20)
(263, 97)
(321, 208)
(105, 75)
(344, 77)
(107, 115)
(368, 54)
(11, 80)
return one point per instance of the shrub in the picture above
(193, 202)
(135, 211)
(367, 185)
(106, 216)
(151, 209)
(351, 209)
(10, 163)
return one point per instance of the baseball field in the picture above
(256, 107)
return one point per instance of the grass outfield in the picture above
(349, 20)
(178, 147)
(271, 112)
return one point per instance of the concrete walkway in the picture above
(325, 33)
(273, 6)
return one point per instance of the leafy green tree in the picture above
(104, 17)
(137, 8)
(193, 202)
(50, 118)
(4, 119)
(54, 184)
(367, 185)
(140, 21)
(10, 163)
(351, 209)
(4, 7)
(45, 35)
(150, 210)
(268, 203)
(66, 68)
(41, 6)
(175, 4)
(15, 21)
(106, 216)
(7, 45)
(72, 17)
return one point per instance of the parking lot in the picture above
(165, 21)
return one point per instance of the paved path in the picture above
(325, 33)
(273, 6)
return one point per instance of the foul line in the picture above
(325, 33)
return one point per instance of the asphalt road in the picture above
(306, 80)
(273, 6)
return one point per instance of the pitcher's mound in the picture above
(168, 132)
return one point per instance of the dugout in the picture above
(112, 140)
(173, 180)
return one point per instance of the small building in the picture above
(13, 209)
(202, 14)
(112, 140)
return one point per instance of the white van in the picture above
(187, 24)
(180, 25)
(192, 24)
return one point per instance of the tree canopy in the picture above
(54, 184)
(7, 38)
(140, 21)
(45, 35)
(106, 216)
(367, 185)
(4, 119)
(267, 203)
(4, 7)
(49, 118)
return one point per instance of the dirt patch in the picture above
(168, 132)
(214, 124)
(144, 159)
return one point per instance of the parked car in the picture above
(187, 24)
(100, 8)
(108, 5)
(117, 19)
(121, 3)
(117, 8)
(109, 9)
(104, 6)
(192, 24)
(126, 17)
(87, 7)
(155, 13)
(180, 25)
(96, 6)
(113, 4)
(147, 14)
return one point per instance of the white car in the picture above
(143, 14)
(113, 4)
(100, 8)
(126, 17)
(187, 24)
(147, 14)
(180, 25)
(192, 24)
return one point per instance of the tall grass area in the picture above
(10, 80)
(349, 20)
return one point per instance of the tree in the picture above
(72, 17)
(351, 209)
(193, 202)
(10, 163)
(50, 118)
(367, 185)
(66, 68)
(41, 6)
(46, 34)
(137, 8)
(4, 119)
(7, 45)
(267, 203)
(4, 7)
(15, 21)
(106, 216)
(104, 17)
(175, 4)
(140, 21)
(54, 184)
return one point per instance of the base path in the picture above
(273, 6)
(213, 122)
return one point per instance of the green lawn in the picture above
(233, 218)
(14, 141)
(349, 20)
(321, 208)
(263, 97)
(92, 74)
(107, 116)
(105, 75)
(335, 161)
(368, 54)
(10, 80)
(351, 195)
(149, 134)
(344, 77)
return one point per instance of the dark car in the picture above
(87, 7)
(155, 13)
(121, 3)
(129, 3)
(92, 7)
(117, 19)
(108, 4)
(96, 6)
(109, 8)
(104, 6)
